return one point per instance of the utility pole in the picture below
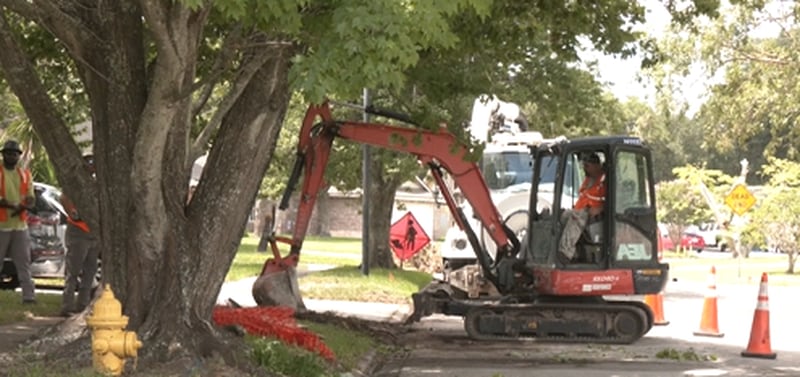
(365, 183)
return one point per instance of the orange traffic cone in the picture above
(708, 322)
(656, 304)
(759, 345)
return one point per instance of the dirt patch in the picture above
(16, 334)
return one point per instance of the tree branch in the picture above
(221, 64)
(48, 124)
(738, 54)
(23, 8)
(70, 31)
(155, 12)
(177, 31)
(246, 71)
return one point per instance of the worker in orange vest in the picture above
(16, 197)
(82, 255)
(591, 199)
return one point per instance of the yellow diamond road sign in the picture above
(740, 199)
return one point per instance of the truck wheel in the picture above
(518, 223)
(8, 275)
(9, 282)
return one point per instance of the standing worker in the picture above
(82, 255)
(16, 197)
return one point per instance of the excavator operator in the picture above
(591, 198)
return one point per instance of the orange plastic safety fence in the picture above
(278, 322)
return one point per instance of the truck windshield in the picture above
(505, 169)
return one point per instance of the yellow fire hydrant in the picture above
(111, 344)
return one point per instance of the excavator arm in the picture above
(572, 310)
(438, 150)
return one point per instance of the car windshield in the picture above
(505, 169)
(48, 199)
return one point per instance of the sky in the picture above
(622, 75)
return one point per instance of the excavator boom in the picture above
(439, 150)
(518, 292)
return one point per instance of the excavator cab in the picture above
(623, 237)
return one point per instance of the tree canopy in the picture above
(164, 82)
(747, 58)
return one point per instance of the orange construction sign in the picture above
(406, 237)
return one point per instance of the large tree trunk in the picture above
(381, 198)
(166, 259)
(190, 278)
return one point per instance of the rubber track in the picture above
(641, 313)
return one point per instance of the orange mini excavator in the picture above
(521, 289)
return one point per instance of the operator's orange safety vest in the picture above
(24, 186)
(592, 196)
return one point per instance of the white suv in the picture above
(711, 235)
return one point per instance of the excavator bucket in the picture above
(278, 285)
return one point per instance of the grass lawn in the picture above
(348, 284)
(12, 310)
(344, 281)
(338, 252)
(697, 268)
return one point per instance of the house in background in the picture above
(339, 214)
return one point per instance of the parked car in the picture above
(712, 234)
(47, 225)
(692, 241)
(664, 242)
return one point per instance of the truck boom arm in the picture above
(436, 149)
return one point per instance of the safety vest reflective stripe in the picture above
(596, 198)
(592, 194)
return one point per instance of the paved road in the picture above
(452, 354)
(446, 351)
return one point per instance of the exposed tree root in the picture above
(66, 347)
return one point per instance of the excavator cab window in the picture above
(589, 239)
(548, 173)
(634, 208)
